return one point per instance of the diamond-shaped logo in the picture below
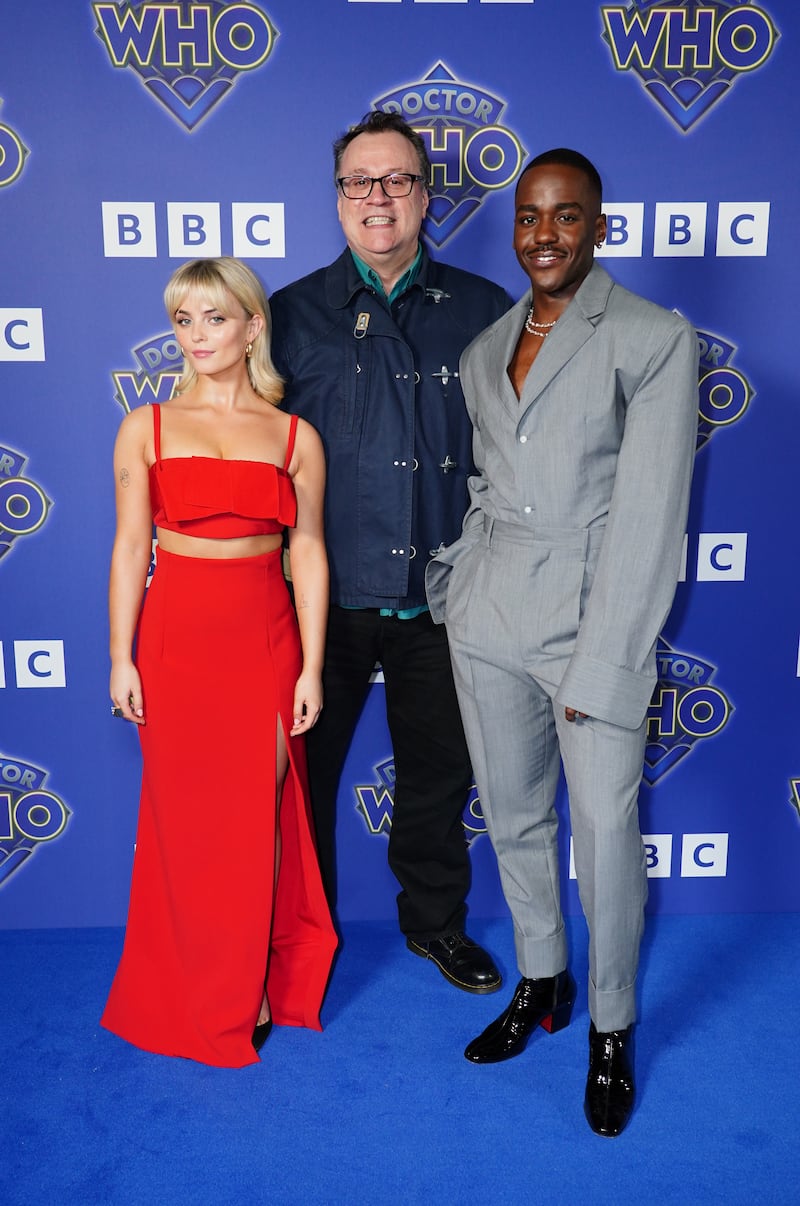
(187, 55)
(471, 153)
(688, 55)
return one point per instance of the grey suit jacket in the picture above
(602, 439)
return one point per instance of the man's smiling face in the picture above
(380, 228)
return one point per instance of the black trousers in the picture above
(427, 847)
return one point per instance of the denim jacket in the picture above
(381, 386)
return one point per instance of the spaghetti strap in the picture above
(290, 445)
(156, 409)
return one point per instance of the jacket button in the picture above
(523, 439)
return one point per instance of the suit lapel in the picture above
(573, 329)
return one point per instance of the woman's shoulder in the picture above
(137, 422)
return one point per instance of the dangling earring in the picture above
(248, 350)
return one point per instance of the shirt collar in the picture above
(370, 277)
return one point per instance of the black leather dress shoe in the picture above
(461, 961)
(546, 1002)
(610, 1088)
(261, 1033)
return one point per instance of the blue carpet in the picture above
(382, 1107)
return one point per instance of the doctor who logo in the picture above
(725, 393)
(187, 55)
(471, 153)
(685, 709)
(688, 55)
(160, 364)
(13, 154)
(375, 802)
(24, 506)
(30, 815)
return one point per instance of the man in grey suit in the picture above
(583, 400)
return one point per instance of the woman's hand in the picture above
(307, 703)
(126, 691)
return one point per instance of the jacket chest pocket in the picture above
(353, 386)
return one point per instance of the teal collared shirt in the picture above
(371, 279)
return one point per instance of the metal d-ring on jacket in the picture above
(381, 386)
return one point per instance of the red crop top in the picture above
(208, 496)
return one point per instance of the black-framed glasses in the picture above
(394, 184)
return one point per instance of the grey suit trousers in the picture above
(514, 601)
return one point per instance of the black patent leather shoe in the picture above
(461, 961)
(261, 1033)
(610, 1088)
(546, 1002)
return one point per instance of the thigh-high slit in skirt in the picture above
(218, 651)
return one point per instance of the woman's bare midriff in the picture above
(203, 546)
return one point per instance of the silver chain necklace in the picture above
(531, 324)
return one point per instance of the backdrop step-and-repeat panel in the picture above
(135, 135)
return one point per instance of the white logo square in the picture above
(129, 229)
(624, 230)
(658, 853)
(743, 228)
(680, 228)
(721, 556)
(193, 229)
(40, 663)
(21, 334)
(258, 230)
(704, 854)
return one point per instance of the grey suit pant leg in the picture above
(603, 769)
(511, 735)
(517, 740)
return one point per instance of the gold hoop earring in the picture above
(248, 350)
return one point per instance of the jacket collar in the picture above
(574, 328)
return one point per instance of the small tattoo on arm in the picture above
(124, 478)
(302, 601)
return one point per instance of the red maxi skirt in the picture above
(219, 653)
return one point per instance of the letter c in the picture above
(714, 557)
(736, 223)
(32, 663)
(16, 322)
(696, 856)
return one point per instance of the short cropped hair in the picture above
(568, 158)
(381, 122)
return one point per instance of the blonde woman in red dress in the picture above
(228, 928)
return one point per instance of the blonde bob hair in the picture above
(217, 281)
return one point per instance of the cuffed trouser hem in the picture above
(540, 957)
(612, 1010)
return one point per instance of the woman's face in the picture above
(213, 340)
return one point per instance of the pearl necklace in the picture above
(531, 325)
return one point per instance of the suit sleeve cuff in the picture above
(607, 692)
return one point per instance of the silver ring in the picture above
(117, 712)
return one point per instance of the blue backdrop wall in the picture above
(135, 135)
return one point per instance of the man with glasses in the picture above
(369, 348)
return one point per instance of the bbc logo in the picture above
(679, 229)
(194, 229)
(702, 855)
(721, 557)
(21, 334)
(36, 664)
